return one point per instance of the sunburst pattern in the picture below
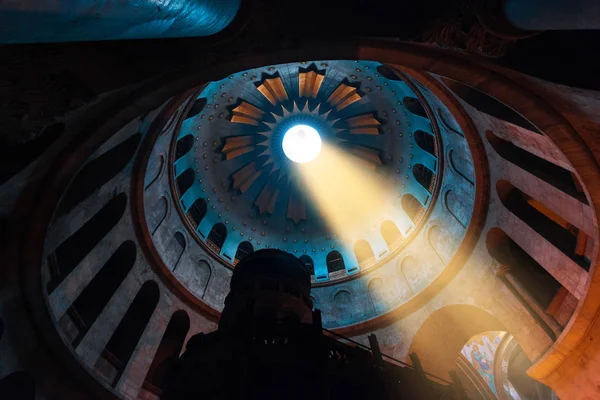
(285, 111)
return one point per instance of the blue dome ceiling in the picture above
(231, 170)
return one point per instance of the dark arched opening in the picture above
(541, 219)
(70, 252)
(125, 338)
(216, 237)
(488, 104)
(84, 311)
(412, 207)
(363, 251)
(184, 145)
(538, 282)
(308, 263)
(97, 172)
(197, 211)
(168, 350)
(185, 181)
(335, 262)
(413, 105)
(390, 232)
(556, 176)
(426, 141)
(388, 73)
(244, 249)
(424, 176)
(16, 156)
(197, 108)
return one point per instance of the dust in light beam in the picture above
(350, 195)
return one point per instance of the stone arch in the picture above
(551, 226)
(343, 305)
(98, 172)
(175, 250)
(86, 308)
(73, 250)
(169, 348)
(363, 251)
(453, 205)
(488, 104)
(157, 214)
(155, 171)
(390, 232)
(553, 174)
(462, 166)
(124, 340)
(439, 243)
(377, 295)
(459, 323)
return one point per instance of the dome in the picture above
(450, 209)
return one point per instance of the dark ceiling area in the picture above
(40, 82)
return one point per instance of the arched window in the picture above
(244, 249)
(169, 349)
(335, 262)
(541, 219)
(185, 181)
(424, 176)
(308, 263)
(556, 176)
(70, 252)
(216, 237)
(413, 105)
(16, 156)
(197, 108)
(97, 172)
(184, 145)
(426, 141)
(390, 232)
(363, 251)
(197, 211)
(488, 104)
(388, 73)
(411, 207)
(125, 338)
(538, 282)
(84, 311)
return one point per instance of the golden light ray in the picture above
(349, 194)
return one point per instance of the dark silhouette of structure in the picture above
(270, 344)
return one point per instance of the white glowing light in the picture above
(301, 143)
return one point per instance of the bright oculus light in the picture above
(301, 143)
